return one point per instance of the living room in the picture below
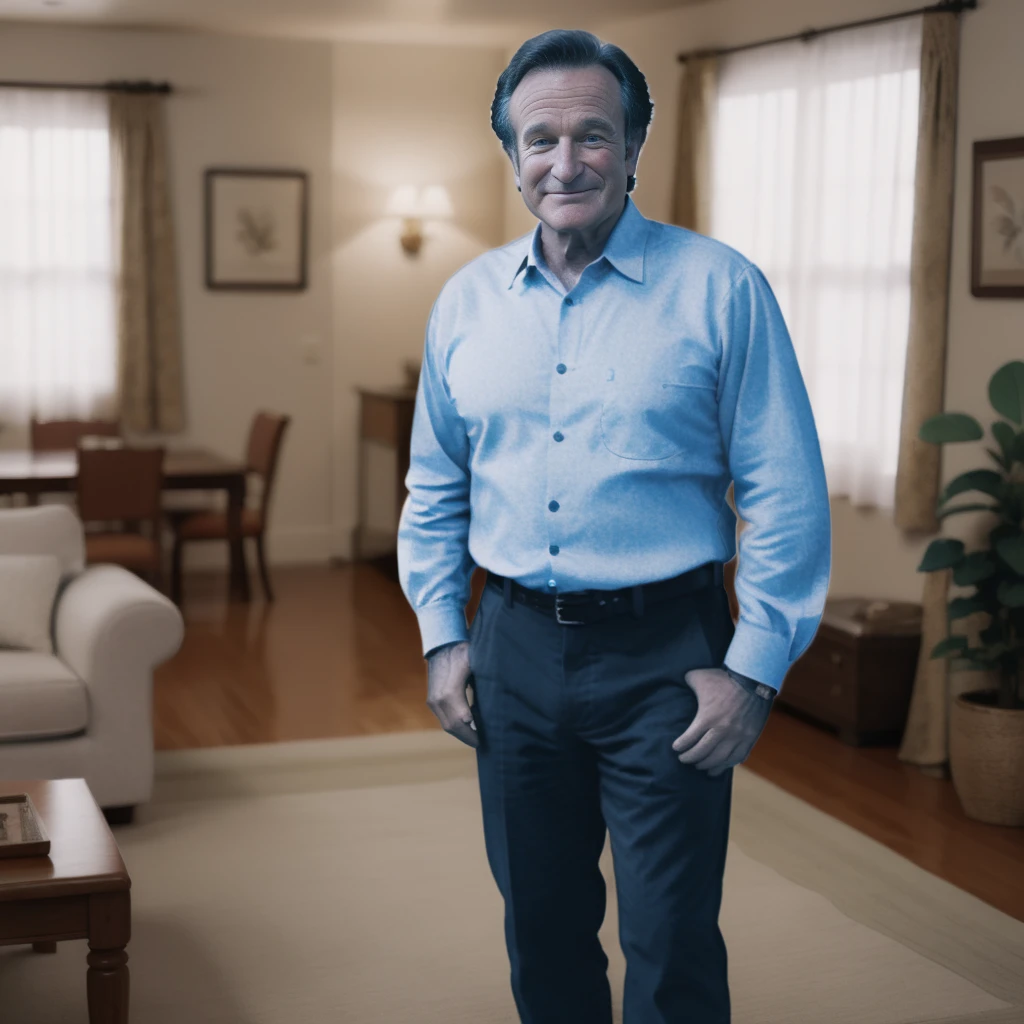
(271, 672)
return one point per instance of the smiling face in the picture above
(570, 140)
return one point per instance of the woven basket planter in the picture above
(986, 758)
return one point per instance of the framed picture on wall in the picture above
(256, 229)
(997, 249)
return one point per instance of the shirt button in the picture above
(551, 583)
(568, 300)
(553, 505)
(558, 435)
(560, 367)
(553, 549)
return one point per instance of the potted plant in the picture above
(986, 727)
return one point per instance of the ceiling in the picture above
(469, 22)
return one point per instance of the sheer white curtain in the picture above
(813, 157)
(58, 347)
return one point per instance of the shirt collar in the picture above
(624, 247)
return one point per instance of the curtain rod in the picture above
(134, 87)
(944, 6)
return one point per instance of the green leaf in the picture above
(962, 664)
(961, 607)
(995, 651)
(1011, 551)
(1006, 391)
(1011, 594)
(1005, 435)
(953, 509)
(978, 565)
(1000, 459)
(1018, 447)
(950, 427)
(988, 481)
(992, 633)
(953, 642)
(942, 553)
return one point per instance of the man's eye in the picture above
(536, 142)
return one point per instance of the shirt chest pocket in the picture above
(660, 416)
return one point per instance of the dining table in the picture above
(23, 471)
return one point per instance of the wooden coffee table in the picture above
(81, 890)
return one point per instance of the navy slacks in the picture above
(575, 727)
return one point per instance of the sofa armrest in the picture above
(107, 615)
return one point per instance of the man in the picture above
(587, 394)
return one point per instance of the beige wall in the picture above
(870, 556)
(402, 115)
(252, 103)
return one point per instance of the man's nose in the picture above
(567, 164)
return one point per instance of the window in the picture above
(813, 156)
(58, 349)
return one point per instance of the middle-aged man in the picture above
(587, 394)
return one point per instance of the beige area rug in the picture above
(346, 881)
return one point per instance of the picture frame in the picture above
(256, 229)
(997, 231)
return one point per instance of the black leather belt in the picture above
(580, 607)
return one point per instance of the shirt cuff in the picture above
(758, 654)
(441, 622)
(752, 686)
(742, 678)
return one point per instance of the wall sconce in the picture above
(414, 205)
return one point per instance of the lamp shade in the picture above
(435, 202)
(403, 202)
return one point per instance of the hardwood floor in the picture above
(338, 654)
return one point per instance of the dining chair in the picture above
(63, 435)
(122, 486)
(266, 435)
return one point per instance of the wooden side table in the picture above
(385, 416)
(81, 890)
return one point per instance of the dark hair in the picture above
(573, 48)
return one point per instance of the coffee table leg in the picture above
(107, 980)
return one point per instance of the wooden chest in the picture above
(857, 675)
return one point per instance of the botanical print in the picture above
(1009, 224)
(998, 245)
(256, 230)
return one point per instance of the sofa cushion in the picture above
(28, 588)
(44, 530)
(39, 697)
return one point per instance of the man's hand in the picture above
(728, 723)
(447, 677)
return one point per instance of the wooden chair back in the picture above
(265, 439)
(121, 485)
(64, 435)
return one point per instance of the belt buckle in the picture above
(558, 614)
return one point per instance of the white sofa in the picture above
(86, 710)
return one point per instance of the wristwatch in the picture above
(762, 690)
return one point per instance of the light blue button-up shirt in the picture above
(587, 439)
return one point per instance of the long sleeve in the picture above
(434, 566)
(780, 488)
